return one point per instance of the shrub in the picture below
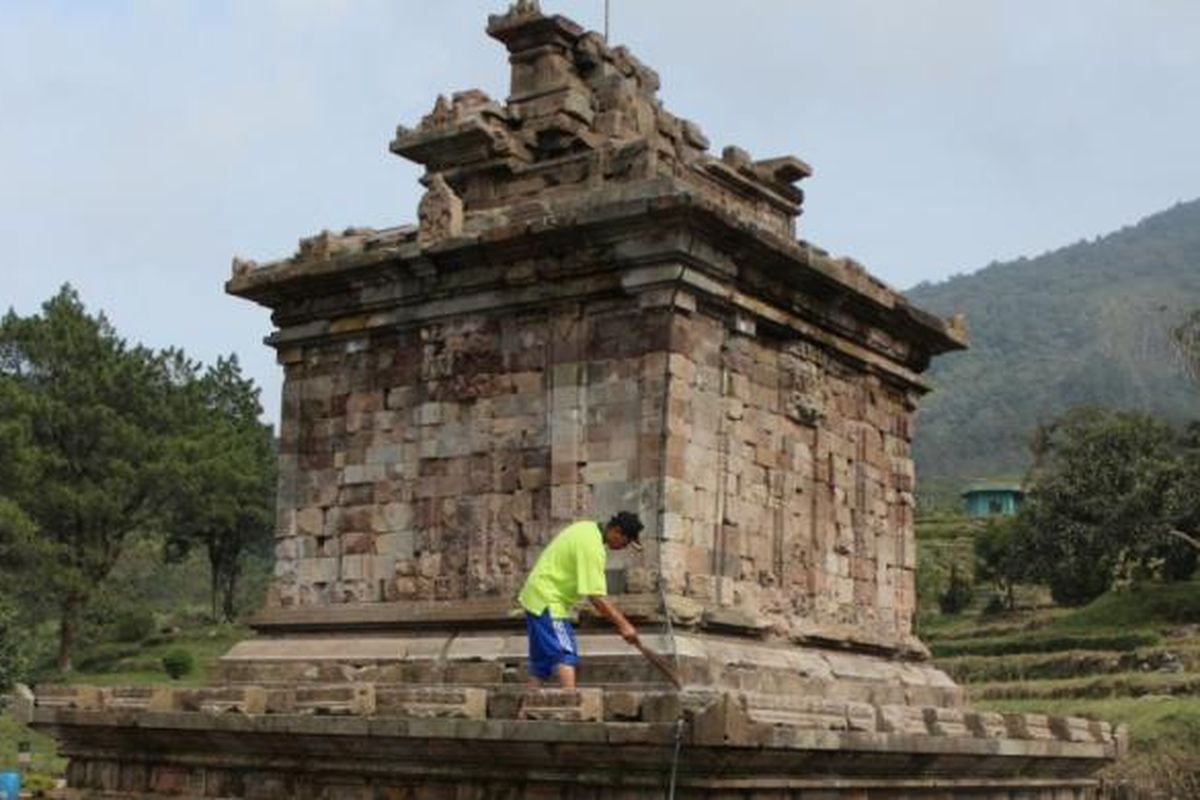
(105, 657)
(12, 648)
(140, 663)
(178, 663)
(930, 583)
(958, 593)
(995, 605)
(999, 557)
(37, 783)
(134, 626)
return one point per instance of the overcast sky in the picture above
(142, 144)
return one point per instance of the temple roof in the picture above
(581, 137)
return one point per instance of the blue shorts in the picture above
(551, 642)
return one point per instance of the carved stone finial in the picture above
(735, 157)
(524, 8)
(242, 266)
(315, 248)
(442, 114)
(440, 213)
(958, 326)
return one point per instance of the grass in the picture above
(946, 627)
(1135, 616)
(1070, 663)
(1030, 666)
(1045, 642)
(141, 664)
(1121, 684)
(1157, 606)
(45, 755)
(948, 527)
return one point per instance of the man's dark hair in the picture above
(629, 524)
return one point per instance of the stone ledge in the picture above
(621, 209)
(462, 748)
(562, 705)
(736, 719)
(433, 702)
(357, 699)
(486, 658)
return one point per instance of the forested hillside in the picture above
(1087, 324)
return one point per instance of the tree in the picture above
(1184, 499)
(999, 558)
(224, 481)
(86, 420)
(930, 580)
(1187, 342)
(12, 646)
(14, 527)
(1101, 500)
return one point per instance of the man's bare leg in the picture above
(566, 676)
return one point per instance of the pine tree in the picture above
(86, 420)
(223, 499)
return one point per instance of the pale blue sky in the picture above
(142, 144)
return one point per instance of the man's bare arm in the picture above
(608, 609)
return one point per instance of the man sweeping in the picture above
(569, 569)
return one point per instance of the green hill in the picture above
(1086, 324)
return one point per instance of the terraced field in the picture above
(1132, 657)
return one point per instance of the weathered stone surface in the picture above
(222, 700)
(622, 706)
(800, 712)
(1072, 729)
(563, 705)
(986, 724)
(440, 212)
(431, 702)
(946, 722)
(907, 720)
(1029, 726)
(356, 699)
(84, 698)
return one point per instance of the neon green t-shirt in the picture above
(571, 567)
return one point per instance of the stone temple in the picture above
(593, 312)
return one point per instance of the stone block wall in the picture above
(434, 463)
(788, 484)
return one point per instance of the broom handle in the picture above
(660, 663)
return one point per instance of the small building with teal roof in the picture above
(993, 498)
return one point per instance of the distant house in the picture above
(992, 498)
